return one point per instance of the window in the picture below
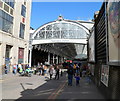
(7, 54)
(1, 20)
(11, 11)
(6, 22)
(6, 8)
(1, 4)
(22, 30)
(0, 23)
(23, 11)
(10, 2)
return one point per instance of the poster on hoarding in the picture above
(92, 47)
(105, 74)
(113, 10)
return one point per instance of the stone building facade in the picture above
(14, 32)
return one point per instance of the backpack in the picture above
(70, 71)
(14, 67)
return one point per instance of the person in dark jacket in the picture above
(70, 72)
(57, 73)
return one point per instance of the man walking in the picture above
(70, 72)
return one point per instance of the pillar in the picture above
(30, 57)
(2, 57)
(48, 58)
(57, 59)
(53, 59)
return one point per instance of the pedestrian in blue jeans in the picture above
(70, 72)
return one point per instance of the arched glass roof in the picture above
(60, 30)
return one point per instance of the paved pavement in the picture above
(13, 85)
(40, 87)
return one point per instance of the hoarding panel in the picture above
(92, 47)
(113, 10)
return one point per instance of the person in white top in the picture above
(51, 71)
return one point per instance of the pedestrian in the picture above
(77, 77)
(61, 72)
(21, 71)
(45, 69)
(5, 68)
(57, 73)
(51, 71)
(35, 70)
(20, 68)
(40, 69)
(88, 76)
(14, 69)
(74, 68)
(42, 66)
(70, 72)
(77, 69)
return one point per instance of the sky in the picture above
(44, 12)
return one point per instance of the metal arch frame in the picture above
(63, 21)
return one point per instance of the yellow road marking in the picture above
(60, 90)
(57, 91)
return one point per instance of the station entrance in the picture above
(59, 40)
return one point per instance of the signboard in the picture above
(20, 55)
(44, 41)
(113, 10)
(92, 47)
(69, 61)
(105, 74)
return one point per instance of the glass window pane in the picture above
(41, 34)
(49, 27)
(0, 13)
(6, 8)
(1, 21)
(23, 11)
(48, 34)
(56, 34)
(43, 29)
(64, 34)
(3, 14)
(1, 4)
(22, 30)
(11, 11)
(71, 34)
(56, 27)
(64, 26)
(10, 2)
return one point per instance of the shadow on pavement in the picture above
(42, 92)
